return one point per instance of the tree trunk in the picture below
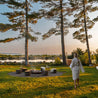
(62, 35)
(85, 26)
(26, 36)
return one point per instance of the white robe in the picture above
(76, 66)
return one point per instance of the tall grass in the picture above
(48, 87)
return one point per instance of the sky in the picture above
(49, 46)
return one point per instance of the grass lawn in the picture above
(48, 87)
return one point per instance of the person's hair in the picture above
(76, 55)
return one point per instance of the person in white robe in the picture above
(76, 66)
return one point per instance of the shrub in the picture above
(57, 61)
(96, 58)
(84, 59)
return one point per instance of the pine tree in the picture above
(57, 10)
(82, 8)
(19, 19)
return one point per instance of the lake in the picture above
(21, 61)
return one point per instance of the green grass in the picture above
(48, 87)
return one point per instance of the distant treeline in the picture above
(83, 56)
(31, 57)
